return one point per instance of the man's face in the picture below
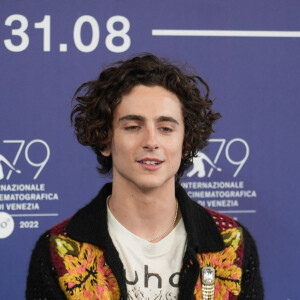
(148, 132)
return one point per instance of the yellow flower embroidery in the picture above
(233, 237)
(87, 276)
(228, 275)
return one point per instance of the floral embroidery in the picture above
(87, 276)
(233, 237)
(228, 275)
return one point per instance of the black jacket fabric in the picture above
(203, 227)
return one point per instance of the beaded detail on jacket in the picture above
(83, 273)
(227, 263)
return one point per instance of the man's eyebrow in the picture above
(131, 118)
(167, 119)
(141, 119)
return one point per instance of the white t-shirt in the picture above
(152, 269)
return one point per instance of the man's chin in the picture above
(151, 185)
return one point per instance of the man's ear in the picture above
(106, 152)
(185, 153)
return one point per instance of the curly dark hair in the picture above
(97, 100)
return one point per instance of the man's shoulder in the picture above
(231, 231)
(224, 222)
(60, 228)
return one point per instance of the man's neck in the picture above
(145, 212)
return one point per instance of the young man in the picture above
(142, 237)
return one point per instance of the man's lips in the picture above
(150, 162)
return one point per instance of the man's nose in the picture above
(150, 139)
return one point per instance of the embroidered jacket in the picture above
(76, 259)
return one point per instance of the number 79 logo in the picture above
(226, 147)
(223, 147)
(39, 165)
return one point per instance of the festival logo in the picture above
(30, 151)
(199, 166)
(6, 225)
(229, 194)
(23, 196)
(5, 161)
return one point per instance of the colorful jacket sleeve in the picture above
(42, 281)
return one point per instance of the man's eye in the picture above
(166, 129)
(131, 128)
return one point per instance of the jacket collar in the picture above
(202, 232)
(89, 224)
